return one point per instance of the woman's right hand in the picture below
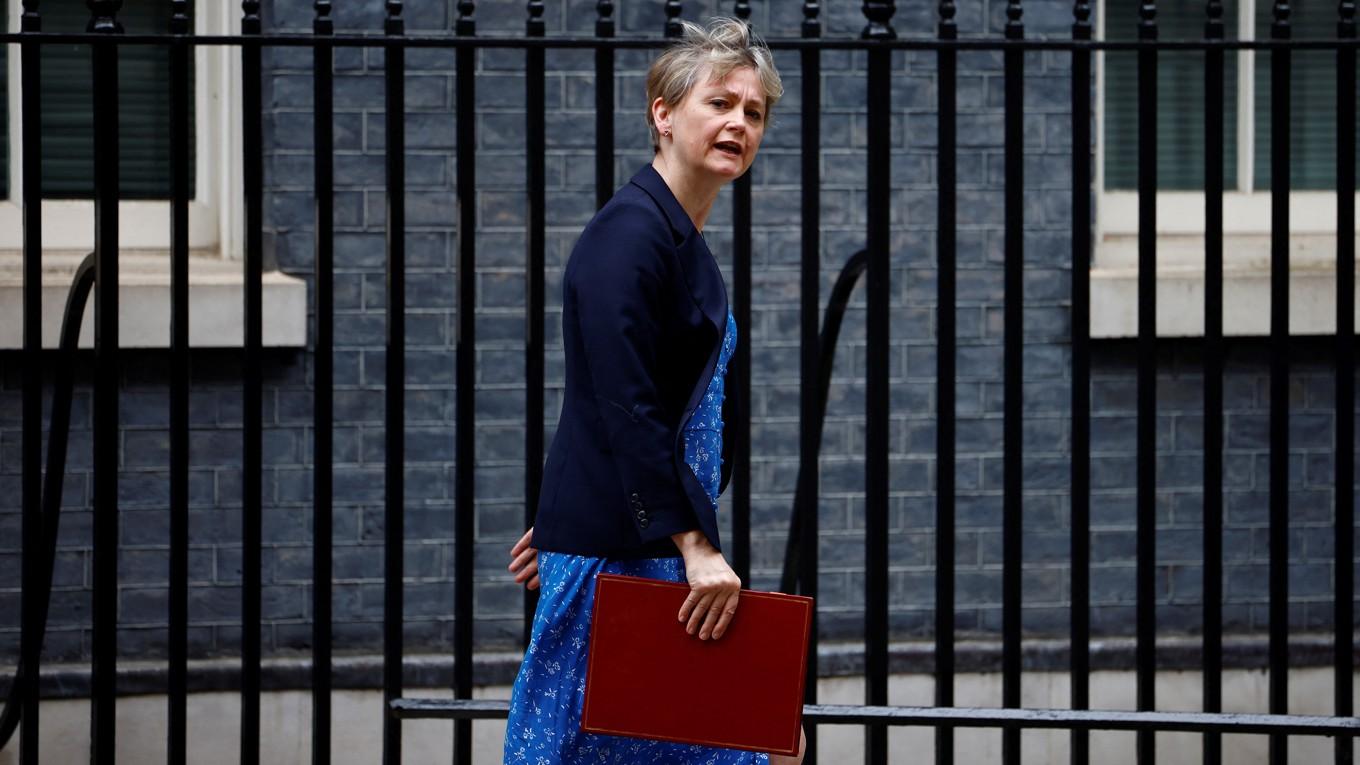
(714, 587)
(525, 561)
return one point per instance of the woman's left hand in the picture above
(714, 587)
(525, 561)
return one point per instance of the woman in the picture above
(631, 481)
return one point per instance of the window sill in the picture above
(1246, 286)
(216, 289)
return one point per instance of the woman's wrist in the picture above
(690, 541)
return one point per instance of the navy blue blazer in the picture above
(643, 312)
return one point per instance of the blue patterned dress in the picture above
(545, 704)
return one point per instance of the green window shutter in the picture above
(1312, 92)
(144, 105)
(1180, 99)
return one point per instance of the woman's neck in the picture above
(693, 194)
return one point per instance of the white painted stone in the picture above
(216, 290)
(1246, 286)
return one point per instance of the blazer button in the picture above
(644, 523)
(635, 498)
(642, 515)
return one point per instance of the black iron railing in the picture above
(878, 40)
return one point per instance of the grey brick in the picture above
(354, 562)
(142, 489)
(355, 250)
(215, 604)
(290, 170)
(145, 527)
(363, 485)
(143, 567)
(429, 445)
(499, 443)
(360, 169)
(74, 531)
(1245, 582)
(425, 484)
(503, 520)
(491, 482)
(144, 409)
(501, 366)
(146, 448)
(356, 406)
(978, 510)
(283, 602)
(290, 130)
(287, 525)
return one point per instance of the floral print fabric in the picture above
(544, 727)
(703, 433)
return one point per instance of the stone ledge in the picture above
(1246, 286)
(834, 660)
(216, 289)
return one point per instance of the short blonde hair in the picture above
(724, 45)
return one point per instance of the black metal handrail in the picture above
(967, 717)
(826, 344)
(53, 482)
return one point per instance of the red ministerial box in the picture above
(647, 677)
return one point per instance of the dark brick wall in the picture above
(431, 313)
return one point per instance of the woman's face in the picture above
(717, 128)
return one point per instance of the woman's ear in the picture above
(661, 116)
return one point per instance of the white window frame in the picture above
(1180, 235)
(215, 212)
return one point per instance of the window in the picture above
(68, 215)
(1180, 90)
(1246, 162)
(144, 105)
(1180, 100)
(215, 212)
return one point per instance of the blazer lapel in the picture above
(706, 287)
(701, 270)
(705, 282)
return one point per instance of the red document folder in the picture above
(649, 678)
